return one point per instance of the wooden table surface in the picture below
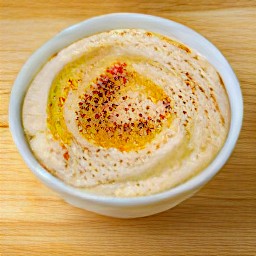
(219, 220)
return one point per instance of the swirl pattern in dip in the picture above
(126, 113)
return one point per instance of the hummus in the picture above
(126, 113)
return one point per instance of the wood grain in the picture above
(219, 220)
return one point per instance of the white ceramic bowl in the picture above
(125, 207)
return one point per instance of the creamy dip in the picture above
(126, 113)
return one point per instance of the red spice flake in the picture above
(117, 115)
(162, 116)
(184, 112)
(126, 127)
(66, 155)
(133, 109)
(80, 103)
(140, 125)
(62, 100)
(126, 109)
(147, 107)
(148, 131)
(89, 119)
(97, 116)
(140, 115)
(124, 98)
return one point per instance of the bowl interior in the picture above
(117, 21)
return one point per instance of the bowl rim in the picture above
(39, 58)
